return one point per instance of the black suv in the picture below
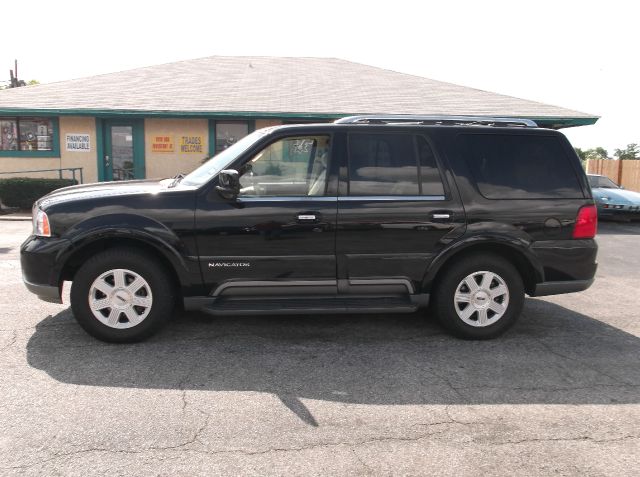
(369, 214)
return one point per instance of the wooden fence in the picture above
(625, 173)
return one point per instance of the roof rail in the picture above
(438, 120)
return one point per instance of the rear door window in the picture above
(392, 165)
(430, 178)
(520, 167)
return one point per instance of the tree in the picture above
(632, 151)
(598, 153)
(594, 153)
(29, 83)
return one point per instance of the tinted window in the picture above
(603, 182)
(387, 164)
(429, 172)
(520, 167)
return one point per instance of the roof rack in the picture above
(438, 120)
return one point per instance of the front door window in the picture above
(294, 166)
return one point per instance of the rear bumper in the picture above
(557, 288)
(566, 260)
(569, 266)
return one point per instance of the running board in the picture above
(314, 305)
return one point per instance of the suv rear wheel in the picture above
(121, 295)
(479, 297)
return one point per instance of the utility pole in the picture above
(13, 76)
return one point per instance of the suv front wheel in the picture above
(479, 297)
(121, 295)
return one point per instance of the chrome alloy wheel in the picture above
(120, 298)
(481, 299)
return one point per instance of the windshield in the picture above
(221, 160)
(601, 181)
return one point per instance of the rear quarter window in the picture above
(508, 166)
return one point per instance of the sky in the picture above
(581, 55)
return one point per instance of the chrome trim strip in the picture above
(267, 283)
(385, 281)
(423, 198)
(394, 256)
(245, 258)
(292, 198)
(311, 198)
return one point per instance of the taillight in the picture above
(586, 222)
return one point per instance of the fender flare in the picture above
(143, 229)
(517, 245)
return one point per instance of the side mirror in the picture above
(229, 183)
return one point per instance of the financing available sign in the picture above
(76, 142)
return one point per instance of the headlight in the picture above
(41, 225)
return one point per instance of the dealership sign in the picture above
(192, 144)
(78, 142)
(162, 143)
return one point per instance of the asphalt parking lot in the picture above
(382, 395)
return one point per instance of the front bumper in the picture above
(47, 293)
(619, 212)
(41, 270)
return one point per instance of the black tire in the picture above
(143, 264)
(447, 286)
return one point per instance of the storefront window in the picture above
(26, 134)
(228, 133)
(8, 134)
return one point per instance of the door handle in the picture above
(442, 216)
(307, 217)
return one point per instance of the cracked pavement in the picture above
(327, 395)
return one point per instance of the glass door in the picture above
(124, 150)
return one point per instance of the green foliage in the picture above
(595, 153)
(631, 152)
(22, 192)
(29, 83)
